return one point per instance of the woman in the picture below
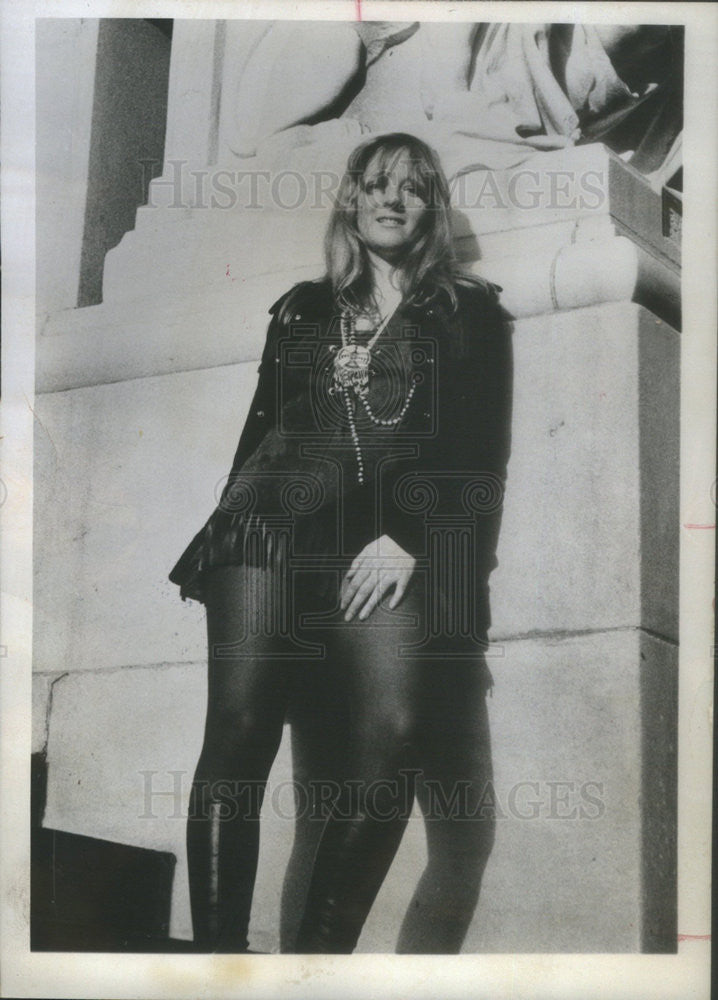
(357, 531)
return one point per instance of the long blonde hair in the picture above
(429, 265)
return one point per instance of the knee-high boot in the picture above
(352, 862)
(222, 851)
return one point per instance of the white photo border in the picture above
(686, 974)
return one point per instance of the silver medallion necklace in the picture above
(351, 376)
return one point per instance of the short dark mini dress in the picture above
(449, 448)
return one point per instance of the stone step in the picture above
(553, 200)
(226, 323)
(564, 185)
(91, 894)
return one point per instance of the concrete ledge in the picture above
(564, 186)
(224, 321)
(567, 229)
(109, 343)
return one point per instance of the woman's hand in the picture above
(380, 565)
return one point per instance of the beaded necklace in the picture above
(351, 374)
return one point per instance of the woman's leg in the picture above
(455, 793)
(319, 725)
(245, 712)
(361, 838)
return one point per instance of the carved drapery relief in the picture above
(485, 95)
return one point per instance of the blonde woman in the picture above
(358, 527)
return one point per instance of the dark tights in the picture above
(369, 720)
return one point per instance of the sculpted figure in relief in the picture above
(484, 95)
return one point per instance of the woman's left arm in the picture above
(470, 449)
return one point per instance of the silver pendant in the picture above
(351, 367)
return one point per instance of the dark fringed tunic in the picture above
(293, 490)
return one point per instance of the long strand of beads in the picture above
(357, 379)
(355, 436)
(386, 421)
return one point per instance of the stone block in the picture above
(42, 685)
(587, 273)
(590, 531)
(221, 241)
(579, 185)
(67, 51)
(119, 740)
(156, 334)
(125, 474)
(583, 732)
(153, 336)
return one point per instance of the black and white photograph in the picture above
(359, 498)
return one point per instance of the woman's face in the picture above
(390, 208)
